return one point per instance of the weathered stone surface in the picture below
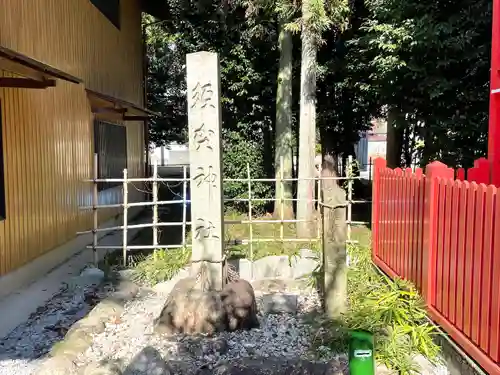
(92, 276)
(166, 287)
(275, 266)
(281, 266)
(426, 367)
(57, 366)
(205, 140)
(273, 366)
(125, 291)
(105, 310)
(238, 300)
(243, 267)
(89, 277)
(147, 362)
(91, 325)
(190, 310)
(73, 344)
(279, 303)
(279, 285)
(106, 368)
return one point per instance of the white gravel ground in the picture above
(282, 335)
(24, 348)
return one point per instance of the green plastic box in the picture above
(361, 360)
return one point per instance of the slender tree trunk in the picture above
(428, 150)
(334, 243)
(283, 140)
(394, 138)
(328, 149)
(307, 127)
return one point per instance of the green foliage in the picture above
(247, 50)
(263, 231)
(392, 310)
(164, 264)
(159, 266)
(239, 153)
(430, 60)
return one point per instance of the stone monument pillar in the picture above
(205, 121)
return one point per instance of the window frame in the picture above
(103, 186)
(115, 19)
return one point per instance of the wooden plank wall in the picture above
(75, 37)
(48, 134)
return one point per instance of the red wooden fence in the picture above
(443, 233)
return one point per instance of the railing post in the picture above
(433, 173)
(378, 166)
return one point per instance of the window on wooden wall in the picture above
(110, 9)
(3, 210)
(110, 144)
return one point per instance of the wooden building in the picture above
(71, 85)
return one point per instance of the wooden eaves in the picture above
(102, 103)
(34, 74)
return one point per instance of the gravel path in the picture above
(25, 347)
(280, 335)
(21, 353)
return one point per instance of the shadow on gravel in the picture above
(150, 361)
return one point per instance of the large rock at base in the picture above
(240, 307)
(190, 310)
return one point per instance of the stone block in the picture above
(279, 303)
(274, 266)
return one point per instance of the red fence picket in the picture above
(444, 235)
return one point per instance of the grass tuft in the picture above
(391, 309)
(260, 231)
(165, 264)
(159, 266)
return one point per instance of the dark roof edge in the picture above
(156, 8)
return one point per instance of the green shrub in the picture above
(159, 266)
(391, 309)
(238, 153)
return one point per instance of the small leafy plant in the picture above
(159, 266)
(391, 309)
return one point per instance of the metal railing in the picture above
(155, 180)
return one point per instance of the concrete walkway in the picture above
(17, 307)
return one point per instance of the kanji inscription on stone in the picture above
(205, 175)
(204, 123)
(203, 137)
(205, 229)
(202, 95)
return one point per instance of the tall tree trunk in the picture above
(394, 138)
(334, 243)
(307, 126)
(328, 149)
(283, 141)
(428, 152)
